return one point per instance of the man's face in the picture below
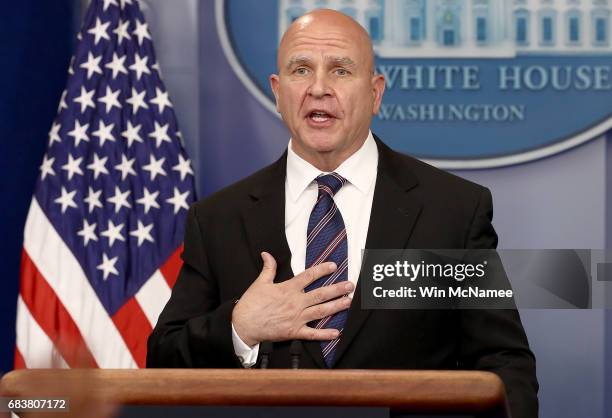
(326, 91)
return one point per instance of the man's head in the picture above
(326, 90)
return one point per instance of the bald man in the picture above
(276, 256)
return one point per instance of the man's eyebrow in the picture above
(336, 60)
(297, 60)
(343, 61)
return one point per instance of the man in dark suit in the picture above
(337, 189)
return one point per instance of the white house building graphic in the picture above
(472, 28)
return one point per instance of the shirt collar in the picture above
(359, 169)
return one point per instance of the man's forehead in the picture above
(325, 34)
(328, 47)
(304, 40)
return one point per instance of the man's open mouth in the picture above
(319, 116)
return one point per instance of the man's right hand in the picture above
(271, 311)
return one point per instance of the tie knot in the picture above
(330, 183)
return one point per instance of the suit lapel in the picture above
(264, 222)
(395, 208)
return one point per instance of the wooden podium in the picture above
(470, 393)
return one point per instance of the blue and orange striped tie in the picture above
(326, 241)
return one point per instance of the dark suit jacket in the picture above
(414, 206)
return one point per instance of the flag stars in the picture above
(88, 232)
(140, 66)
(99, 31)
(108, 266)
(120, 199)
(71, 65)
(160, 134)
(54, 133)
(79, 133)
(112, 114)
(183, 167)
(62, 103)
(132, 133)
(137, 100)
(141, 32)
(155, 167)
(86, 99)
(179, 200)
(122, 31)
(111, 99)
(92, 65)
(143, 233)
(113, 233)
(73, 166)
(104, 132)
(66, 199)
(126, 167)
(98, 166)
(148, 200)
(46, 168)
(93, 199)
(117, 65)
(161, 100)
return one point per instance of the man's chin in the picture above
(321, 142)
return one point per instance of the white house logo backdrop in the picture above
(470, 83)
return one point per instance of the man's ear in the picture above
(274, 83)
(378, 89)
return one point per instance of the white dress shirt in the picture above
(354, 201)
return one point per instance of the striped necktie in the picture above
(326, 241)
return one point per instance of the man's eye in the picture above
(341, 72)
(301, 71)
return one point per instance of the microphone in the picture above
(265, 348)
(296, 351)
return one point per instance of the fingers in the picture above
(322, 310)
(307, 333)
(313, 273)
(325, 293)
(268, 272)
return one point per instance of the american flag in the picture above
(105, 226)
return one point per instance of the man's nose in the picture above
(320, 86)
